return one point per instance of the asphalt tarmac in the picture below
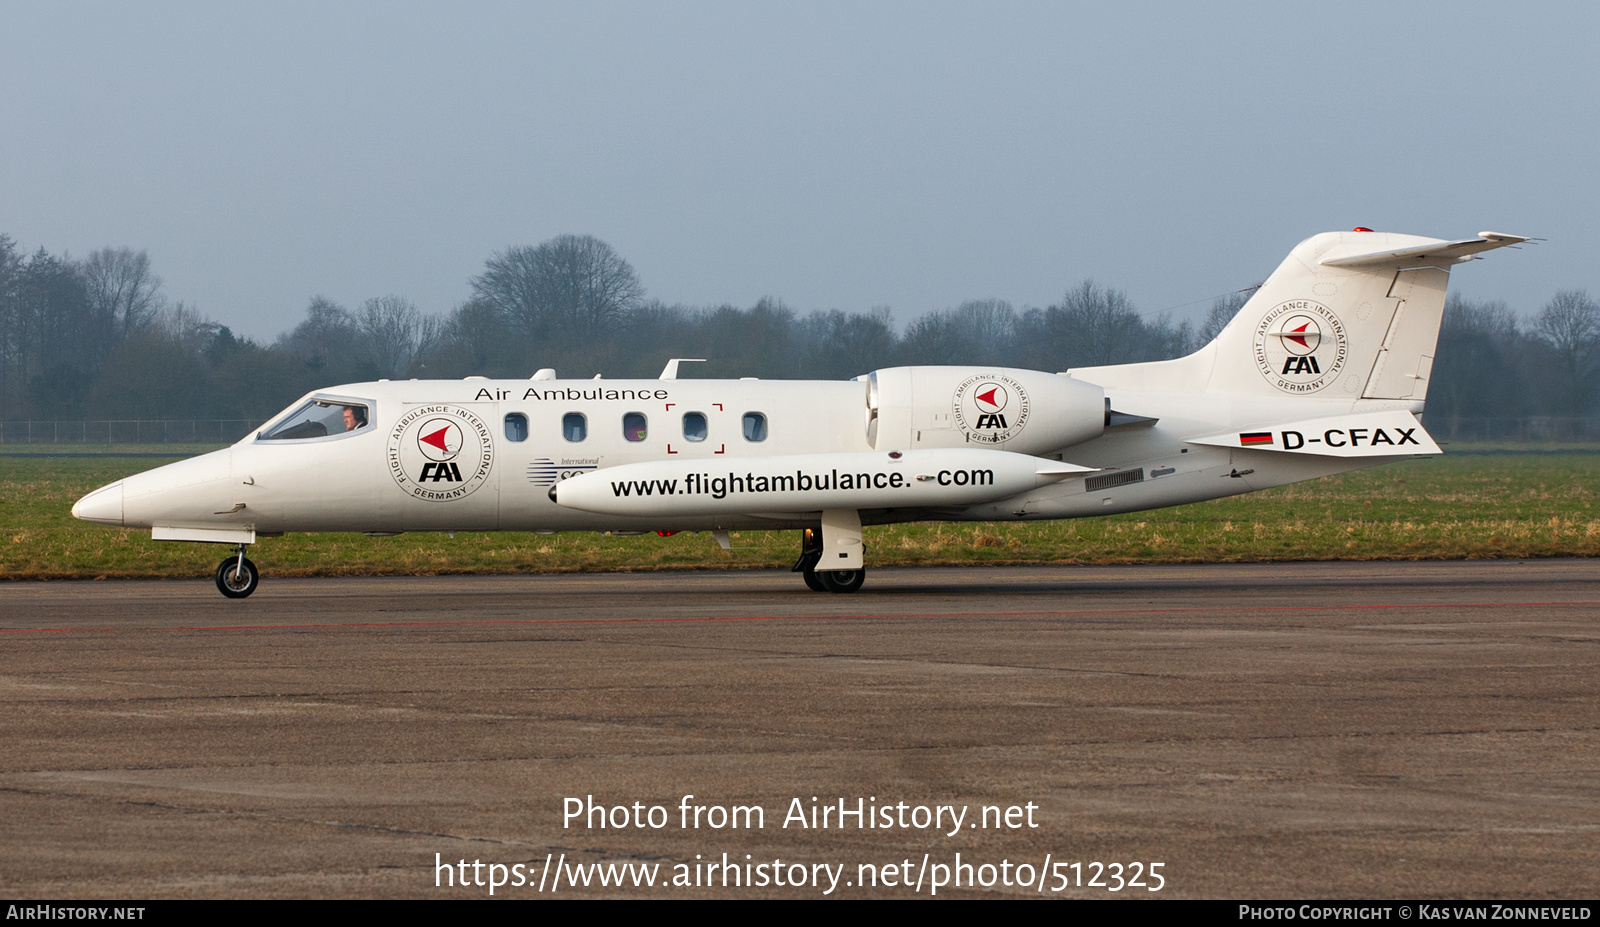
(1349, 730)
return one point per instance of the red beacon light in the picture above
(1360, 229)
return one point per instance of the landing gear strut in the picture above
(811, 550)
(810, 553)
(237, 577)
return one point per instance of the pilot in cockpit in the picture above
(355, 417)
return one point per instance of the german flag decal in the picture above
(1253, 438)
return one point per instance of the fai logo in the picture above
(990, 409)
(440, 453)
(1300, 346)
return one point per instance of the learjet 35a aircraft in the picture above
(1324, 370)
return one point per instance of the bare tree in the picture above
(124, 295)
(325, 339)
(838, 345)
(762, 341)
(394, 333)
(1163, 340)
(1475, 371)
(1492, 318)
(934, 339)
(1570, 323)
(988, 326)
(1098, 326)
(186, 325)
(1223, 309)
(58, 354)
(473, 340)
(977, 331)
(12, 321)
(573, 288)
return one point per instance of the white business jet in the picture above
(1324, 370)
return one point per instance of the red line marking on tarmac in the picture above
(707, 618)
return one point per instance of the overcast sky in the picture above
(832, 155)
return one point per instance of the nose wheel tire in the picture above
(813, 582)
(841, 580)
(234, 582)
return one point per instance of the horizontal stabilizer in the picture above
(1395, 433)
(1435, 253)
(1115, 419)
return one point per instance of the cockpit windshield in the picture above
(319, 418)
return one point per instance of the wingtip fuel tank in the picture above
(950, 478)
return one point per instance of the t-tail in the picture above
(1347, 316)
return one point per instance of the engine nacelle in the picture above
(1023, 411)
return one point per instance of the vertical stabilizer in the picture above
(1347, 315)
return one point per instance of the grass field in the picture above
(1463, 505)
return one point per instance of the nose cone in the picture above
(104, 505)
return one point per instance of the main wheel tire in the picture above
(813, 582)
(842, 580)
(233, 583)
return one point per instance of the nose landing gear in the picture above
(237, 577)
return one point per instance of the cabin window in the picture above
(755, 426)
(319, 418)
(516, 427)
(574, 427)
(635, 427)
(694, 426)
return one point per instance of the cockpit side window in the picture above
(320, 418)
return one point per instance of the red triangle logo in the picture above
(989, 396)
(436, 439)
(1297, 339)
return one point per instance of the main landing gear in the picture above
(841, 580)
(237, 577)
(823, 580)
